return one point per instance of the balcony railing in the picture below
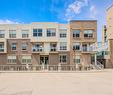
(99, 46)
(86, 49)
(53, 49)
(37, 49)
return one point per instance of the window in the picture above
(2, 33)
(76, 59)
(63, 58)
(76, 33)
(88, 33)
(38, 47)
(53, 46)
(51, 32)
(84, 46)
(25, 33)
(26, 60)
(37, 32)
(76, 46)
(63, 46)
(11, 59)
(13, 46)
(24, 46)
(1, 47)
(63, 33)
(12, 33)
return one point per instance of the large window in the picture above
(26, 60)
(38, 47)
(88, 33)
(13, 46)
(1, 47)
(12, 33)
(76, 59)
(63, 58)
(76, 33)
(37, 32)
(25, 33)
(51, 32)
(11, 59)
(85, 47)
(53, 46)
(2, 33)
(76, 46)
(24, 46)
(63, 46)
(63, 33)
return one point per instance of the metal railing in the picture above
(37, 49)
(97, 66)
(46, 67)
(52, 49)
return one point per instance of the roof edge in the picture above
(109, 8)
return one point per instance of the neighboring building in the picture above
(104, 34)
(104, 49)
(110, 34)
(47, 43)
(83, 34)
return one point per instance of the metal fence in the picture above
(46, 67)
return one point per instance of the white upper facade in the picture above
(38, 32)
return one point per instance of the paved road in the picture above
(80, 83)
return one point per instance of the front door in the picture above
(44, 60)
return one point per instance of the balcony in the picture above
(37, 49)
(86, 49)
(53, 49)
(97, 47)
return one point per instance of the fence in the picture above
(45, 67)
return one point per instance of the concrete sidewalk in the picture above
(79, 83)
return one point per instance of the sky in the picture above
(62, 11)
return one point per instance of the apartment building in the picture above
(104, 34)
(47, 43)
(83, 33)
(109, 33)
(105, 48)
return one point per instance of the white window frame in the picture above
(75, 45)
(11, 59)
(12, 33)
(25, 33)
(76, 32)
(51, 32)
(61, 60)
(77, 59)
(37, 32)
(63, 33)
(2, 33)
(24, 46)
(14, 45)
(63, 46)
(26, 59)
(89, 33)
(1, 47)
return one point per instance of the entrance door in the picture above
(44, 60)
